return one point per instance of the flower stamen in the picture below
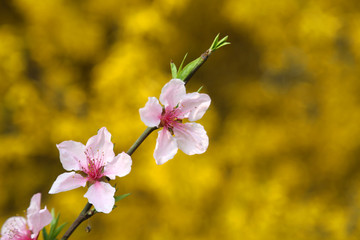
(95, 164)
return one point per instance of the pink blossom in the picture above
(20, 228)
(178, 108)
(92, 164)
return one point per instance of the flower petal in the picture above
(34, 204)
(36, 218)
(38, 221)
(151, 113)
(67, 181)
(14, 226)
(191, 138)
(172, 93)
(194, 105)
(165, 148)
(71, 154)
(102, 143)
(101, 195)
(119, 166)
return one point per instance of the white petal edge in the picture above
(120, 166)
(191, 138)
(151, 113)
(38, 221)
(67, 181)
(194, 105)
(172, 93)
(165, 148)
(101, 144)
(71, 155)
(34, 204)
(101, 195)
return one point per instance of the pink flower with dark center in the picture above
(93, 163)
(20, 228)
(178, 108)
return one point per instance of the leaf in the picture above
(219, 43)
(54, 230)
(182, 62)
(58, 230)
(54, 221)
(189, 68)
(186, 72)
(45, 235)
(118, 198)
(173, 69)
(222, 40)
(215, 42)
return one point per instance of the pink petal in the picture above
(71, 154)
(194, 105)
(34, 204)
(12, 226)
(151, 113)
(102, 143)
(191, 138)
(119, 166)
(38, 221)
(67, 181)
(165, 148)
(101, 195)
(172, 93)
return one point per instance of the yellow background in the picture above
(284, 154)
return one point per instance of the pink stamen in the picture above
(95, 164)
(171, 118)
(15, 234)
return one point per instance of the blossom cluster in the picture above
(94, 164)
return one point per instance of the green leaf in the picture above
(54, 221)
(45, 235)
(215, 41)
(58, 230)
(118, 198)
(173, 69)
(186, 72)
(54, 230)
(182, 62)
(189, 68)
(223, 44)
(219, 43)
(222, 40)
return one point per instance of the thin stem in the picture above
(82, 217)
(140, 140)
(86, 213)
(203, 59)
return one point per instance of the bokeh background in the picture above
(284, 154)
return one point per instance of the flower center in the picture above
(170, 118)
(16, 234)
(95, 164)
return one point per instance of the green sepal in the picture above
(120, 197)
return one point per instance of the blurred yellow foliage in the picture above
(283, 125)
